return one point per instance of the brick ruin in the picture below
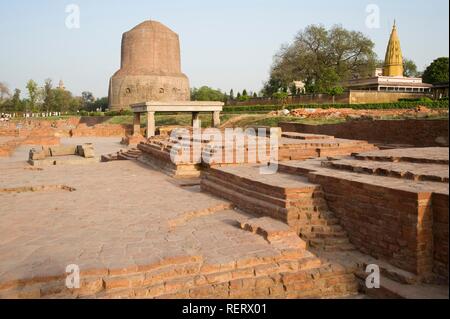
(48, 133)
(309, 230)
(342, 197)
(401, 133)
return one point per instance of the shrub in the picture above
(395, 105)
(119, 113)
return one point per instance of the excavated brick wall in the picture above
(413, 132)
(440, 234)
(283, 276)
(101, 130)
(391, 224)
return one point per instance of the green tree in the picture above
(4, 91)
(206, 93)
(231, 94)
(48, 96)
(87, 99)
(101, 104)
(337, 90)
(281, 97)
(437, 71)
(322, 58)
(16, 102)
(33, 95)
(62, 100)
(244, 93)
(409, 68)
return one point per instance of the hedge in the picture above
(396, 105)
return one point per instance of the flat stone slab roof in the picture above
(178, 106)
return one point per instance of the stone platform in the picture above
(288, 198)
(392, 203)
(291, 146)
(129, 244)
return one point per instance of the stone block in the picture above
(86, 150)
(37, 154)
(63, 150)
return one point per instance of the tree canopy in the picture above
(322, 59)
(410, 68)
(46, 98)
(206, 93)
(4, 91)
(437, 71)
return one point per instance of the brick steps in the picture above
(391, 289)
(130, 155)
(427, 155)
(403, 170)
(294, 274)
(287, 198)
(305, 136)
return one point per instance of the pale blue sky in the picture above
(224, 44)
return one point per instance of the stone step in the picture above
(305, 136)
(404, 170)
(391, 289)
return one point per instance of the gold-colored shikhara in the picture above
(393, 63)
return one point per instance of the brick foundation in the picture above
(412, 132)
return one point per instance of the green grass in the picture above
(273, 121)
(235, 119)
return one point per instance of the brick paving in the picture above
(121, 220)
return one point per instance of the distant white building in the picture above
(390, 78)
(299, 87)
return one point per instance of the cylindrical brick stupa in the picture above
(150, 68)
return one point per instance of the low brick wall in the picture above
(101, 130)
(406, 228)
(361, 97)
(440, 234)
(418, 133)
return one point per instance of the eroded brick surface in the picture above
(126, 246)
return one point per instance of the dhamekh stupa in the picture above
(150, 68)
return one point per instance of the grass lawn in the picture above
(233, 120)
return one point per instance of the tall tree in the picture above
(409, 68)
(48, 96)
(206, 93)
(16, 102)
(33, 94)
(4, 91)
(322, 59)
(62, 100)
(437, 71)
(231, 94)
(87, 100)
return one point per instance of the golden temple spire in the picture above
(393, 63)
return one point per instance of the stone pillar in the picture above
(137, 124)
(216, 119)
(151, 126)
(196, 120)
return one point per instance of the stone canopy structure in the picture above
(150, 68)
